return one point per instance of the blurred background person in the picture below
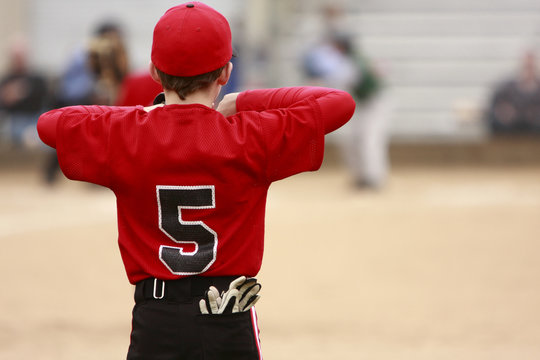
(366, 148)
(336, 62)
(108, 62)
(515, 102)
(23, 96)
(331, 62)
(95, 72)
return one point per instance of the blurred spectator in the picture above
(108, 61)
(335, 62)
(331, 63)
(515, 103)
(95, 73)
(23, 95)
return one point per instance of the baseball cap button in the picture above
(190, 6)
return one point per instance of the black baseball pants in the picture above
(167, 324)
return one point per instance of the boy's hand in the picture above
(227, 106)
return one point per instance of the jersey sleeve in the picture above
(294, 122)
(82, 143)
(46, 126)
(335, 107)
(294, 139)
(293, 125)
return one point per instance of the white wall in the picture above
(59, 26)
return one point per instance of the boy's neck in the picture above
(202, 97)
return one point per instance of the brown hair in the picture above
(185, 85)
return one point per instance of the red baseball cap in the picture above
(191, 39)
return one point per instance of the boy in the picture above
(191, 184)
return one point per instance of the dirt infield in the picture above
(442, 264)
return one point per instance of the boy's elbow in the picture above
(349, 105)
(347, 108)
(342, 111)
(46, 128)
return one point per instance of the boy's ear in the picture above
(153, 73)
(225, 74)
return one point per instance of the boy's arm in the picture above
(46, 127)
(336, 106)
(80, 134)
(290, 124)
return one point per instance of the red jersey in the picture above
(190, 184)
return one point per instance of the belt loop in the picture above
(154, 293)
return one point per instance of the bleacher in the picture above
(441, 58)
